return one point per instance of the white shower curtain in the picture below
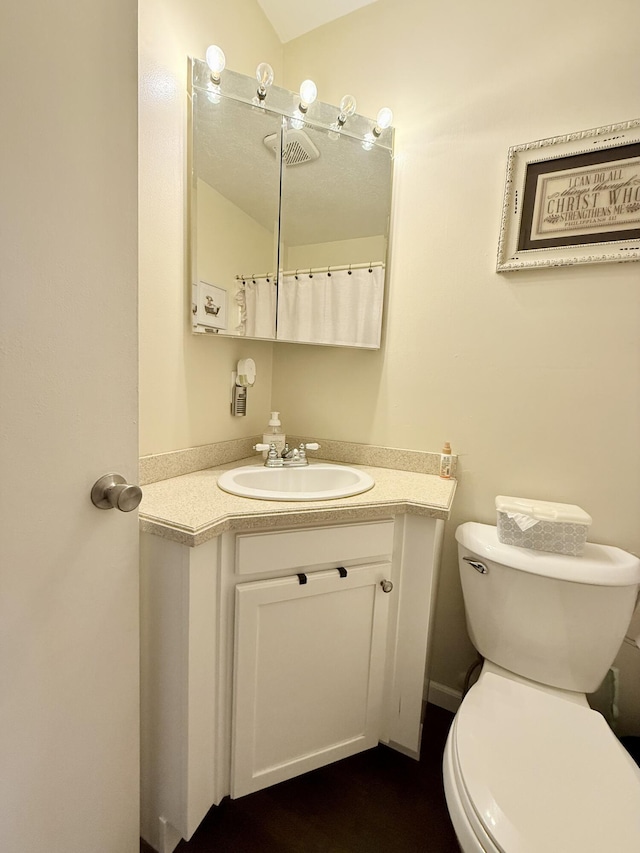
(259, 318)
(336, 308)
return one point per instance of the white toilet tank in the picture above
(554, 619)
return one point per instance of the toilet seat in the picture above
(542, 773)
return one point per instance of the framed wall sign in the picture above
(572, 199)
(210, 306)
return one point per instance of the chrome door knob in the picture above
(387, 586)
(113, 492)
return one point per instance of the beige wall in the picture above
(533, 376)
(185, 380)
(361, 250)
(230, 243)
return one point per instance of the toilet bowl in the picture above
(528, 766)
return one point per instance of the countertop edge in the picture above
(291, 518)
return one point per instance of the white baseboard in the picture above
(444, 697)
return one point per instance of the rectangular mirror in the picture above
(234, 217)
(334, 219)
(289, 219)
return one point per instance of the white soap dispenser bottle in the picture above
(274, 434)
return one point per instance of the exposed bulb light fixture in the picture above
(216, 61)
(293, 108)
(383, 120)
(264, 76)
(347, 108)
(308, 94)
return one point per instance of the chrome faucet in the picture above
(291, 457)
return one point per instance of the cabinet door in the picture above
(308, 674)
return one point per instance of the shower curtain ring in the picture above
(329, 271)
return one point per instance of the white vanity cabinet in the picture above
(309, 649)
(270, 653)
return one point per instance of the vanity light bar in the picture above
(308, 93)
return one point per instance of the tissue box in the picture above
(542, 525)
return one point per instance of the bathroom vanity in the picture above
(278, 637)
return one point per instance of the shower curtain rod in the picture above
(312, 270)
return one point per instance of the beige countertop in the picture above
(191, 509)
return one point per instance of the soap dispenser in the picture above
(274, 434)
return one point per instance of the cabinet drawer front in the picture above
(268, 552)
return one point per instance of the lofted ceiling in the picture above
(293, 18)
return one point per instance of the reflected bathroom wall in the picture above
(230, 240)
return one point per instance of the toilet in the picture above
(528, 766)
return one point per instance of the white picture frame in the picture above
(572, 199)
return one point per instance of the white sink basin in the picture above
(316, 482)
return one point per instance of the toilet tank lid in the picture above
(599, 565)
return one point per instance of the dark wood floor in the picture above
(376, 802)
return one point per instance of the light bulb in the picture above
(347, 108)
(264, 76)
(216, 61)
(308, 93)
(384, 118)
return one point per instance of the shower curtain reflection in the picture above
(257, 301)
(342, 307)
